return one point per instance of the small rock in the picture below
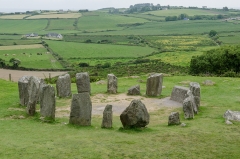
(232, 115)
(208, 83)
(228, 122)
(134, 90)
(183, 125)
(174, 119)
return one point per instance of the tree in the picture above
(15, 62)
(2, 63)
(225, 9)
(212, 33)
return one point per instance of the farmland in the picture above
(56, 16)
(21, 16)
(63, 24)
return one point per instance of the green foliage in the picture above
(212, 33)
(2, 63)
(15, 62)
(171, 18)
(218, 61)
(83, 64)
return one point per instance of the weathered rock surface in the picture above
(81, 109)
(232, 115)
(134, 90)
(23, 90)
(33, 92)
(112, 84)
(196, 92)
(107, 117)
(83, 82)
(135, 115)
(63, 86)
(154, 84)
(194, 100)
(174, 119)
(179, 93)
(188, 108)
(47, 102)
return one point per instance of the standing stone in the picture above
(47, 102)
(174, 119)
(134, 90)
(193, 100)
(188, 108)
(179, 93)
(23, 90)
(81, 109)
(196, 91)
(154, 84)
(112, 84)
(33, 91)
(107, 117)
(135, 115)
(63, 86)
(83, 82)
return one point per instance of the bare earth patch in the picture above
(120, 102)
(16, 74)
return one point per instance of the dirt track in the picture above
(16, 74)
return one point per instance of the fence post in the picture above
(10, 77)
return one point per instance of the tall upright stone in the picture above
(107, 117)
(33, 92)
(83, 82)
(196, 92)
(188, 108)
(23, 90)
(63, 86)
(112, 84)
(47, 102)
(81, 109)
(154, 84)
(135, 115)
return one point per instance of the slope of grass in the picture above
(61, 24)
(206, 136)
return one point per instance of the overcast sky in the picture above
(23, 5)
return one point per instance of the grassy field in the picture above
(22, 26)
(149, 17)
(61, 24)
(230, 38)
(206, 136)
(80, 50)
(59, 15)
(21, 16)
(17, 47)
(9, 37)
(177, 12)
(30, 59)
(19, 42)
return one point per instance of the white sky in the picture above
(23, 5)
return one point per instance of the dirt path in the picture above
(16, 74)
(119, 103)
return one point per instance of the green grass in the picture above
(22, 26)
(30, 59)
(230, 38)
(189, 12)
(8, 37)
(147, 16)
(20, 42)
(80, 50)
(61, 24)
(206, 136)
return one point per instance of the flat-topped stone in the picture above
(179, 93)
(63, 86)
(154, 84)
(83, 82)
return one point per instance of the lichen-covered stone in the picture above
(107, 117)
(174, 119)
(63, 86)
(47, 102)
(179, 93)
(23, 90)
(154, 84)
(81, 109)
(83, 82)
(196, 91)
(232, 115)
(188, 108)
(135, 115)
(112, 84)
(134, 90)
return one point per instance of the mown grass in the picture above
(22, 26)
(30, 59)
(82, 50)
(206, 136)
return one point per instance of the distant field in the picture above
(7, 37)
(17, 47)
(22, 26)
(176, 12)
(147, 17)
(175, 28)
(106, 22)
(61, 24)
(20, 16)
(230, 38)
(19, 42)
(81, 50)
(30, 59)
(49, 16)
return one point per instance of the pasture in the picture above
(29, 41)
(230, 38)
(17, 16)
(18, 47)
(189, 12)
(207, 135)
(61, 24)
(56, 16)
(29, 58)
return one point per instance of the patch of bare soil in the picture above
(119, 103)
(16, 74)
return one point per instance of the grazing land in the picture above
(61, 24)
(59, 15)
(19, 47)
(21, 16)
